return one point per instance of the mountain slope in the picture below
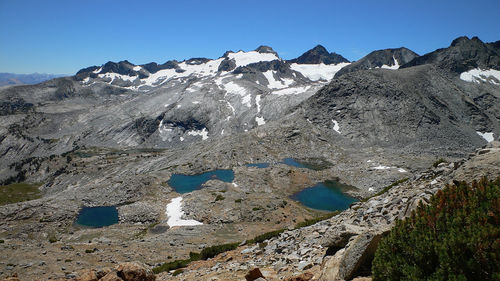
(387, 58)
(424, 106)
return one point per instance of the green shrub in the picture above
(437, 162)
(385, 189)
(213, 251)
(312, 221)
(2, 241)
(177, 272)
(268, 235)
(171, 266)
(455, 237)
(238, 200)
(219, 197)
(89, 251)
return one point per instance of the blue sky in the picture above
(63, 36)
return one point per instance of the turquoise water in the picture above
(292, 162)
(258, 165)
(187, 183)
(97, 216)
(326, 196)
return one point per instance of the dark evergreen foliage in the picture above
(455, 237)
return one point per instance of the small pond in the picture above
(258, 165)
(97, 216)
(294, 163)
(187, 183)
(325, 196)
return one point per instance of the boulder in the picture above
(111, 277)
(134, 271)
(87, 275)
(302, 277)
(254, 274)
(355, 258)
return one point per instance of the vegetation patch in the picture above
(455, 237)
(437, 162)
(18, 192)
(268, 235)
(385, 189)
(205, 254)
(312, 221)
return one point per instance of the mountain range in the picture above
(112, 135)
(7, 79)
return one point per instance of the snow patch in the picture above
(260, 121)
(395, 66)
(292, 91)
(203, 133)
(174, 213)
(401, 170)
(275, 83)
(381, 167)
(257, 102)
(241, 58)
(97, 70)
(487, 136)
(113, 76)
(236, 89)
(137, 68)
(477, 75)
(336, 126)
(317, 72)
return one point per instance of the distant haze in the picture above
(20, 79)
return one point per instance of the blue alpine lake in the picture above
(97, 216)
(326, 196)
(187, 183)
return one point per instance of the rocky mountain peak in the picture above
(266, 49)
(318, 55)
(386, 58)
(462, 55)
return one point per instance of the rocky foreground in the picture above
(339, 248)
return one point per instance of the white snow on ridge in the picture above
(260, 121)
(487, 136)
(241, 58)
(275, 83)
(317, 72)
(336, 126)
(203, 133)
(97, 70)
(477, 75)
(395, 66)
(174, 213)
(292, 91)
(137, 68)
(234, 88)
(114, 76)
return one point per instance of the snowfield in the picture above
(477, 75)
(317, 72)
(174, 213)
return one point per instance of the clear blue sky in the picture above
(63, 36)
